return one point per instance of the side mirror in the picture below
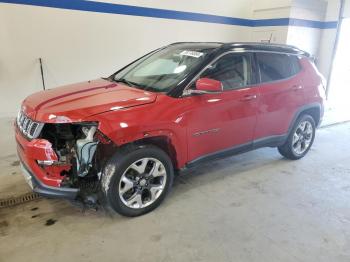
(207, 85)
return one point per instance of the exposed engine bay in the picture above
(82, 152)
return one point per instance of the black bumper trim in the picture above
(49, 191)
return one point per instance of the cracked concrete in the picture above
(252, 207)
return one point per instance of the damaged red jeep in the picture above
(119, 140)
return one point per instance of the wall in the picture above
(307, 38)
(270, 9)
(327, 39)
(236, 8)
(346, 13)
(79, 45)
(315, 39)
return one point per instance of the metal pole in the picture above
(42, 73)
(340, 19)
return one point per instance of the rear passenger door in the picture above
(281, 93)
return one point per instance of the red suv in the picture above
(119, 140)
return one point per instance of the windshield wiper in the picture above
(124, 81)
(129, 83)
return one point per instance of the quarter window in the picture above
(232, 70)
(276, 66)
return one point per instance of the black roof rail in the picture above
(179, 43)
(283, 48)
(255, 46)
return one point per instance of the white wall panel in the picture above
(81, 45)
(305, 38)
(327, 38)
(276, 34)
(309, 9)
(346, 12)
(270, 4)
(77, 45)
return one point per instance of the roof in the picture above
(251, 46)
(267, 47)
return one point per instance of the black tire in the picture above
(115, 169)
(287, 150)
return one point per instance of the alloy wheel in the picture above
(302, 137)
(142, 183)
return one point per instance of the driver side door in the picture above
(220, 124)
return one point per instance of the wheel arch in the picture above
(315, 110)
(164, 142)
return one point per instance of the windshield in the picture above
(162, 70)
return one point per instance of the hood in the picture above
(74, 103)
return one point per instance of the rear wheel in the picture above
(300, 139)
(136, 181)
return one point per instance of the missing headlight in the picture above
(86, 148)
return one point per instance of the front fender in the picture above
(132, 125)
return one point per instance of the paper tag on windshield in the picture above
(191, 53)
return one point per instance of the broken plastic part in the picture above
(46, 162)
(86, 148)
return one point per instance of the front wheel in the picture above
(300, 139)
(136, 180)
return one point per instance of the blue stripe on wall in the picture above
(111, 8)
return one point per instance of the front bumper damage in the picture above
(41, 180)
(65, 160)
(45, 190)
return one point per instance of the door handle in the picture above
(296, 87)
(249, 97)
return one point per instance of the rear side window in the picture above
(295, 64)
(277, 66)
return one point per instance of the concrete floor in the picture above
(252, 207)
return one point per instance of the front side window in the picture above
(232, 70)
(275, 66)
(164, 69)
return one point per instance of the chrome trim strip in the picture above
(214, 130)
(25, 124)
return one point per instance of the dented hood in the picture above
(74, 103)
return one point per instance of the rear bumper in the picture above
(47, 191)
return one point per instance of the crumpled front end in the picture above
(61, 159)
